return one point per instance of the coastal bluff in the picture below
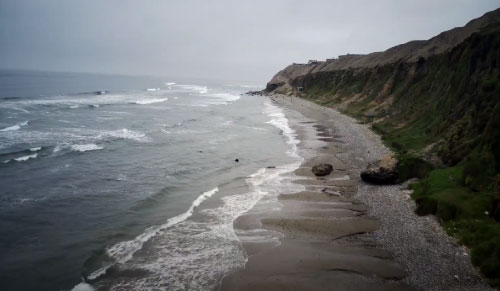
(411, 53)
(436, 104)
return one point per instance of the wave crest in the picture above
(85, 147)
(16, 126)
(123, 251)
(149, 101)
(23, 158)
(123, 134)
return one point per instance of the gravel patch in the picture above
(433, 260)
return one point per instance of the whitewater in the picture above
(134, 188)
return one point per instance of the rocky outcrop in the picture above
(322, 170)
(381, 172)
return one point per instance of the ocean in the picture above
(132, 183)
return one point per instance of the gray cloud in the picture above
(242, 40)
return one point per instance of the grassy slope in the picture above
(452, 103)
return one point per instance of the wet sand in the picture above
(332, 235)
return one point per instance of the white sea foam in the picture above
(225, 96)
(123, 134)
(259, 235)
(153, 89)
(280, 121)
(255, 128)
(83, 287)
(57, 149)
(25, 158)
(267, 184)
(263, 182)
(123, 251)
(21, 109)
(16, 126)
(87, 139)
(150, 101)
(20, 201)
(194, 254)
(82, 140)
(94, 101)
(85, 147)
(35, 149)
(196, 88)
(222, 98)
(216, 99)
(23, 200)
(170, 83)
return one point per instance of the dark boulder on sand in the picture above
(382, 172)
(322, 169)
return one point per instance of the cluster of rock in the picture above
(254, 93)
(381, 172)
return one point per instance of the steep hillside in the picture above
(409, 52)
(436, 100)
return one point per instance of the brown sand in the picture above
(313, 253)
(322, 245)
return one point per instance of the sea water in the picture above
(131, 183)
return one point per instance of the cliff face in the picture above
(436, 100)
(445, 90)
(409, 52)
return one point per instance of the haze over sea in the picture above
(131, 181)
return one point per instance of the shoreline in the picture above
(342, 232)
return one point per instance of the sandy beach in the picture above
(339, 233)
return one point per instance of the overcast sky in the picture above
(237, 40)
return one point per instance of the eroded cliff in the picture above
(436, 100)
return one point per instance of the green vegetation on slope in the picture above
(446, 108)
(464, 214)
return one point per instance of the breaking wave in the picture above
(16, 126)
(23, 158)
(149, 101)
(123, 134)
(196, 88)
(85, 147)
(280, 121)
(222, 98)
(123, 251)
